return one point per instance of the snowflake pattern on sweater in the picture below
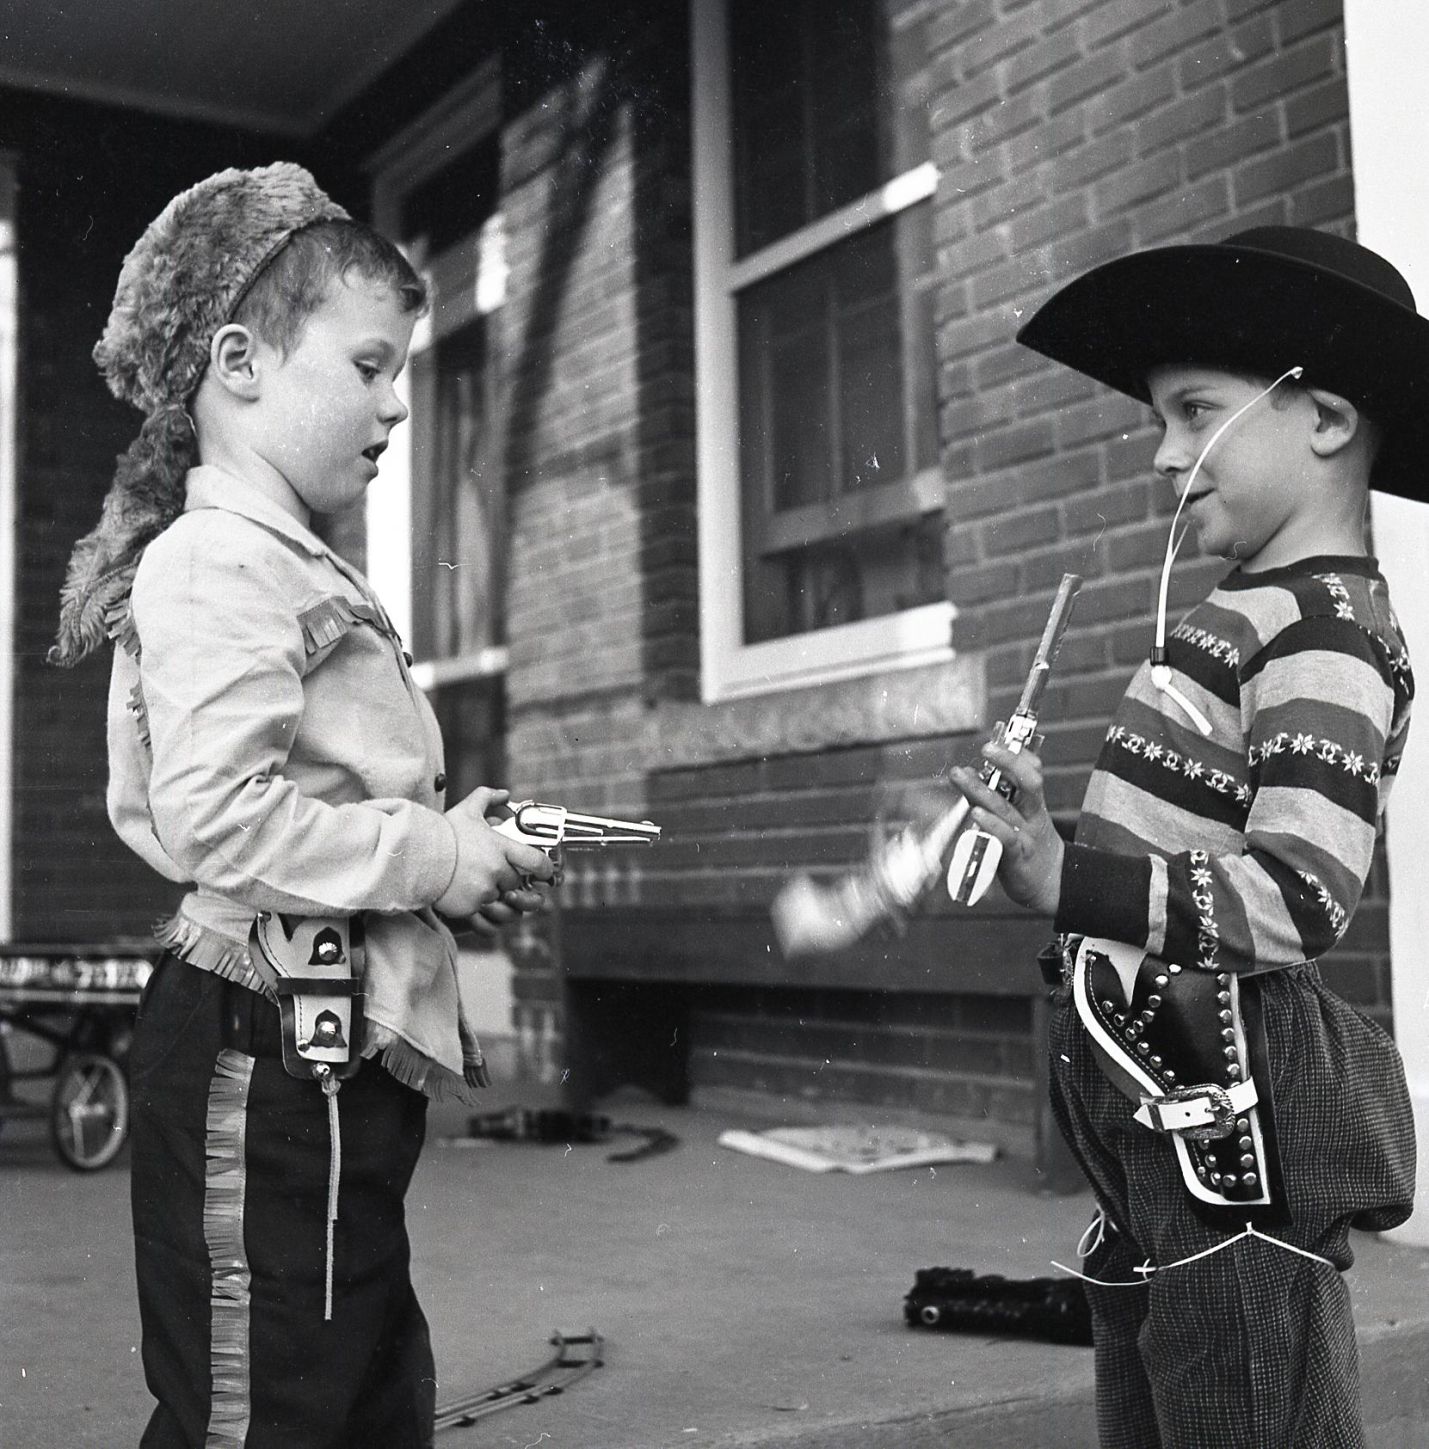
(1248, 850)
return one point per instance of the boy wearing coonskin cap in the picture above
(269, 749)
(1235, 1117)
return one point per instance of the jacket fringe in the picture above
(119, 610)
(330, 618)
(417, 1070)
(210, 951)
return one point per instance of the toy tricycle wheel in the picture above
(89, 1111)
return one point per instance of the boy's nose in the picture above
(1171, 456)
(394, 410)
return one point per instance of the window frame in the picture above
(464, 117)
(730, 667)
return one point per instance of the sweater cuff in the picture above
(1105, 893)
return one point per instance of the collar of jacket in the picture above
(208, 486)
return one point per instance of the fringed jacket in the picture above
(268, 746)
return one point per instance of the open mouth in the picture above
(373, 453)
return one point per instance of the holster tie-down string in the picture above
(330, 1084)
(1095, 1233)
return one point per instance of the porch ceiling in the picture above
(272, 65)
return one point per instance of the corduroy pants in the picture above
(1251, 1346)
(231, 1161)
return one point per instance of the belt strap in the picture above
(1197, 1107)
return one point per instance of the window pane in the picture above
(472, 716)
(458, 511)
(836, 398)
(811, 82)
(881, 571)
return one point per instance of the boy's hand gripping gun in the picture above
(554, 829)
(810, 918)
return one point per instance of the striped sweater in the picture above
(1248, 849)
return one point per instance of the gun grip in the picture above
(974, 864)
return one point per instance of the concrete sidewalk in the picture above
(743, 1303)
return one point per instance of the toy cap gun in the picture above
(809, 917)
(976, 854)
(553, 828)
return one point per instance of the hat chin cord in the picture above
(1160, 669)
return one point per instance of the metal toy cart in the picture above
(79, 1002)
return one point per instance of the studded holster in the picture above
(1178, 1043)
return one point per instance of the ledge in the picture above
(926, 701)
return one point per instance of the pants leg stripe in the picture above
(230, 1299)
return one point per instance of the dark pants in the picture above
(230, 1190)
(1252, 1346)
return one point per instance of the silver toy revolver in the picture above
(553, 828)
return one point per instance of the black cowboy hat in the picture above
(1261, 301)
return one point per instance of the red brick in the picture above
(1089, 77)
(1041, 60)
(1005, 364)
(1011, 117)
(1192, 209)
(1283, 74)
(952, 24)
(1018, 192)
(1052, 139)
(967, 586)
(1173, 33)
(1312, 159)
(1244, 138)
(1132, 99)
(1115, 20)
(1325, 104)
(1106, 508)
(1137, 184)
(1095, 159)
(1225, 53)
(1105, 415)
(1013, 533)
(1182, 120)
(1324, 203)
(1043, 569)
(1307, 16)
(995, 43)
(1032, 228)
(964, 101)
(1015, 445)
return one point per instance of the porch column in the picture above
(1386, 43)
(9, 510)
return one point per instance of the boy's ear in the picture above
(1337, 422)
(233, 360)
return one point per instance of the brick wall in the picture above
(599, 433)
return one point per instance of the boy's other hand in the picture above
(497, 879)
(1031, 865)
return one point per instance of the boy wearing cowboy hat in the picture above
(269, 749)
(1234, 1117)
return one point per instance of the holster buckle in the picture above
(1203, 1113)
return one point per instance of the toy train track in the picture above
(574, 1358)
